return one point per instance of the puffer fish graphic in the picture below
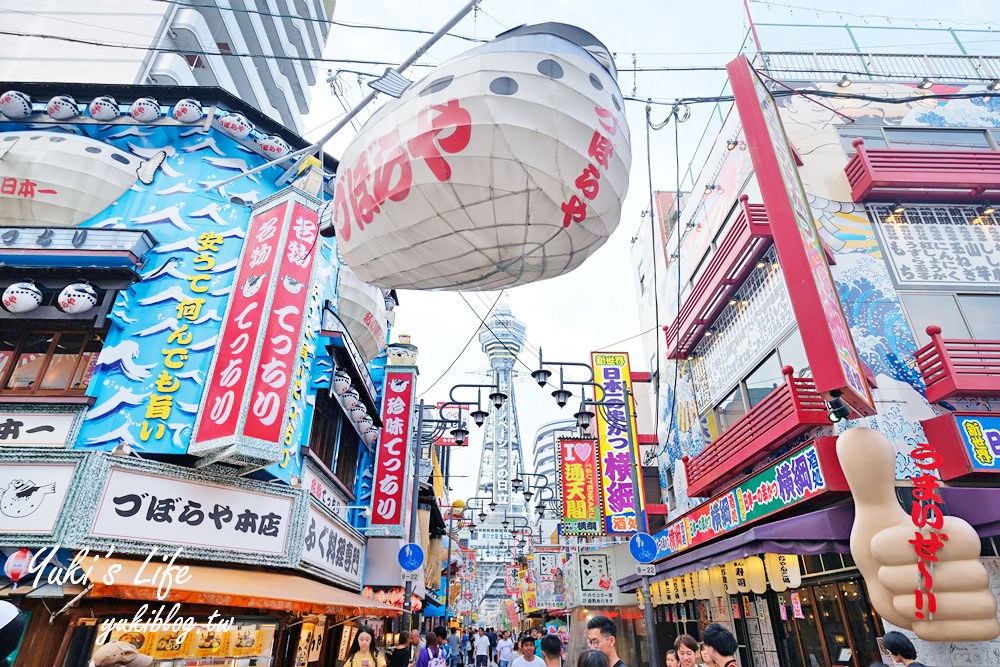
(252, 285)
(21, 497)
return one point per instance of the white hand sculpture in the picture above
(966, 609)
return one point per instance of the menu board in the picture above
(168, 644)
(246, 642)
(142, 641)
(252, 640)
(210, 643)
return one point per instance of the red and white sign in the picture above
(388, 485)
(449, 412)
(224, 396)
(284, 327)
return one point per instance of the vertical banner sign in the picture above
(281, 344)
(830, 349)
(223, 403)
(510, 580)
(388, 484)
(579, 487)
(621, 483)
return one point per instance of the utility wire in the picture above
(464, 348)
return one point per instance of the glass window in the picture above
(924, 309)
(731, 409)
(31, 360)
(937, 139)
(793, 353)
(982, 314)
(48, 361)
(872, 136)
(65, 355)
(764, 379)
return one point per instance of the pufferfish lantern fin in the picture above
(391, 83)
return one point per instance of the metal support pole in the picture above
(412, 535)
(447, 572)
(649, 617)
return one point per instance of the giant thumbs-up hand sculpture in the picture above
(966, 609)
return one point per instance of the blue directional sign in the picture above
(643, 547)
(411, 557)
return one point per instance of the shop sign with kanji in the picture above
(146, 507)
(388, 484)
(579, 487)
(35, 429)
(333, 549)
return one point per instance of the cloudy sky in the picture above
(593, 308)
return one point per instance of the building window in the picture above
(223, 47)
(964, 316)
(48, 363)
(921, 138)
(334, 440)
(194, 60)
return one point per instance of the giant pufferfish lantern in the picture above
(505, 165)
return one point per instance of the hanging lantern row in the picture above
(16, 105)
(351, 400)
(25, 296)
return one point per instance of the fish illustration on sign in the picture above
(22, 497)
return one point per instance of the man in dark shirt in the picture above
(718, 646)
(901, 649)
(602, 635)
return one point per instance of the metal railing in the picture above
(953, 366)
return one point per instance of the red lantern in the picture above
(17, 565)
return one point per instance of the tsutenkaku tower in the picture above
(502, 339)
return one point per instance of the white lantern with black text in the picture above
(15, 105)
(22, 297)
(505, 165)
(145, 110)
(235, 125)
(62, 107)
(341, 382)
(77, 298)
(188, 110)
(103, 108)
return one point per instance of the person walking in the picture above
(552, 651)
(602, 634)
(718, 646)
(432, 655)
(482, 644)
(592, 658)
(901, 648)
(364, 651)
(505, 647)
(416, 646)
(686, 651)
(401, 654)
(527, 657)
(455, 646)
(672, 659)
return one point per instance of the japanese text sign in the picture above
(155, 508)
(621, 484)
(928, 523)
(333, 549)
(225, 395)
(388, 484)
(981, 437)
(597, 581)
(804, 474)
(579, 487)
(35, 429)
(825, 331)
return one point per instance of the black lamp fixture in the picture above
(838, 409)
(528, 494)
(479, 415)
(505, 523)
(845, 81)
(541, 376)
(562, 397)
(459, 433)
(482, 516)
(898, 208)
(925, 83)
(493, 506)
(986, 209)
(732, 144)
(993, 85)
(515, 483)
(498, 398)
(709, 187)
(583, 416)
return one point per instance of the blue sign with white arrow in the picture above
(411, 556)
(643, 547)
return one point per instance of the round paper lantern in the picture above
(370, 436)
(145, 110)
(357, 413)
(15, 105)
(17, 565)
(736, 580)
(783, 571)
(77, 298)
(505, 165)
(235, 125)
(361, 307)
(341, 382)
(704, 584)
(188, 110)
(716, 581)
(103, 108)
(351, 398)
(273, 146)
(366, 422)
(22, 297)
(756, 577)
(62, 107)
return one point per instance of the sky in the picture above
(593, 307)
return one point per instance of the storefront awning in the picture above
(231, 588)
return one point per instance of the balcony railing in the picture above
(786, 412)
(952, 366)
(743, 245)
(915, 175)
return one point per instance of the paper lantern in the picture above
(351, 398)
(22, 297)
(783, 571)
(341, 382)
(188, 110)
(370, 436)
(505, 165)
(15, 105)
(273, 146)
(736, 580)
(756, 577)
(103, 108)
(77, 298)
(145, 110)
(235, 125)
(357, 413)
(17, 565)
(704, 584)
(717, 581)
(361, 307)
(62, 107)
(366, 422)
